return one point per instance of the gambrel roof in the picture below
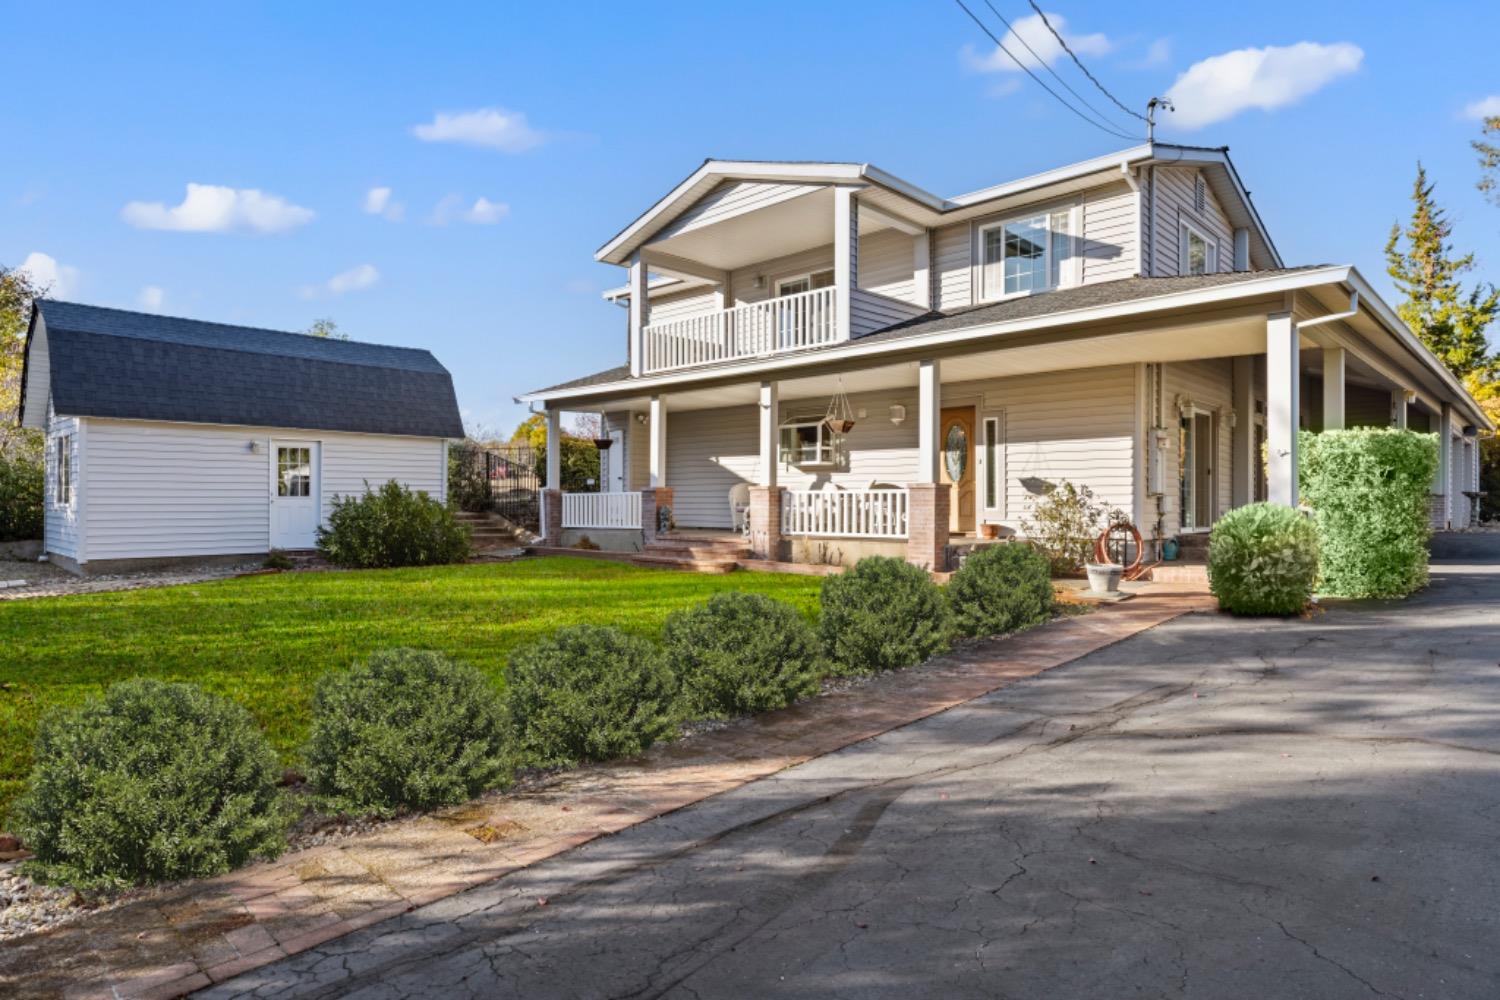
(139, 366)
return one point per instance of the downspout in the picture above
(1151, 221)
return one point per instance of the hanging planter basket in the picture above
(840, 417)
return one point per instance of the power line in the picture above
(1079, 63)
(1047, 66)
(1039, 82)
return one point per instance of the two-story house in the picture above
(863, 366)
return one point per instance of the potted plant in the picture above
(989, 532)
(1104, 578)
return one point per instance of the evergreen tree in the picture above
(1489, 158)
(1448, 319)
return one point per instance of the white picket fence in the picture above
(844, 513)
(787, 323)
(601, 510)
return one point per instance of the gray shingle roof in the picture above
(1101, 293)
(129, 365)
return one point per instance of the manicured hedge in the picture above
(1368, 490)
(1263, 560)
(392, 526)
(884, 614)
(738, 653)
(1001, 588)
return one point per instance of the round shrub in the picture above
(150, 782)
(408, 729)
(392, 526)
(589, 693)
(739, 653)
(1263, 560)
(883, 614)
(1001, 588)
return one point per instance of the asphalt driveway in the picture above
(1215, 808)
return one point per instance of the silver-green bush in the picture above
(392, 526)
(884, 614)
(1001, 588)
(150, 782)
(408, 729)
(589, 693)
(1368, 490)
(738, 653)
(1263, 560)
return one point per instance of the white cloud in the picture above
(492, 128)
(1033, 32)
(1158, 53)
(378, 202)
(152, 297)
(485, 212)
(352, 280)
(211, 208)
(59, 280)
(1486, 107)
(1222, 86)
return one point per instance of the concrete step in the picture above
(696, 565)
(691, 551)
(1180, 572)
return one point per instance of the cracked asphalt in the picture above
(1215, 808)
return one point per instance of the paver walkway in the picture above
(210, 931)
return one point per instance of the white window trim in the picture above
(64, 488)
(991, 514)
(1188, 228)
(1069, 276)
(826, 437)
(804, 276)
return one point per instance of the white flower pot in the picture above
(1104, 578)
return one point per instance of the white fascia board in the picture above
(1220, 158)
(856, 350)
(1099, 164)
(652, 285)
(1397, 327)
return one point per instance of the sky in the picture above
(440, 175)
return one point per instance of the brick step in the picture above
(1193, 546)
(1180, 572)
(689, 551)
(696, 565)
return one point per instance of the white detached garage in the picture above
(176, 439)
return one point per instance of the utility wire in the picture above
(1045, 65)
(1079, 63)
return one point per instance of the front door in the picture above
(295, 494)
(613, 473)
(958, 466)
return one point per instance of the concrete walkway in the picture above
(1214, 808)
(212, 931)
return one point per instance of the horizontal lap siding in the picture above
(1210, 385)
(683, 304)
(708, 452)
(1366, 407)
(179, 489)
(62, 526)
(885, 264)
(952, 258)
(870, 312)
(1174, 202)
(742, 281)
(1110, 228)
(729, 199)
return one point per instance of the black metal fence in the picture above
(502, 478)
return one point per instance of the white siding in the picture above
(681, 304)
(1210, 385)
(166, 489)
(63, 517)
(742, 281)
(952, 258)
(709, 451)
(1174, 203)
(729, 199)
(38, 380)
(1110, 234)
(885, 263)
(870, 312)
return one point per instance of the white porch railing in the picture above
(844, 513)
(788, 323)
(601, 510)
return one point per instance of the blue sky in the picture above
(514, 139)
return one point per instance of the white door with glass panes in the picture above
(295, 494)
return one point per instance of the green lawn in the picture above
(263, 640)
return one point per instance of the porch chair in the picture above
(739, 507)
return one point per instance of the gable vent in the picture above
(1200, 193)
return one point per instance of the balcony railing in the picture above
(601, 510)
(844, 513)
(788, 323)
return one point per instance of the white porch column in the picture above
(845, 257)
(1243, 457)
(929, 419)
(770, 407)
(1283, 381)
(921, 268)
(1333, 388)
(658, 429)
(640, 309)
(1398, 409)
(1444, 486)
(554, 449)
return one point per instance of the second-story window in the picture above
(804, 283)
(1199, 253)
(1024, 255)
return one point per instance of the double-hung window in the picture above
(1200, 255)
(1028, 254)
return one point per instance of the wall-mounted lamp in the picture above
(1410, 394)
(898, 414)
(640, 418)
(253, 447)
(760, 281)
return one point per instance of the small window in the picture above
(805, 283)
(62, 472)
(810, 442)
(1021, 256)
(992, 458)
(294, 472)
(1199, 253)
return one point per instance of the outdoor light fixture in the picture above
(760, 281)
(898, 414)
(253, 447)
(640, 418)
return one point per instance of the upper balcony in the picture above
(760, 268)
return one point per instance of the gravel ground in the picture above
(38, 579)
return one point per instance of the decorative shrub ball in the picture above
(739, 653)
(1263, 560)
(883, 614)
(589, 693)
(408, 729)
(150, 782)
(392, 526)
(1001, 588)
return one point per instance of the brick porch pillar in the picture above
(927, 525)
(652, 501)
(552, 518)
(765, 522)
